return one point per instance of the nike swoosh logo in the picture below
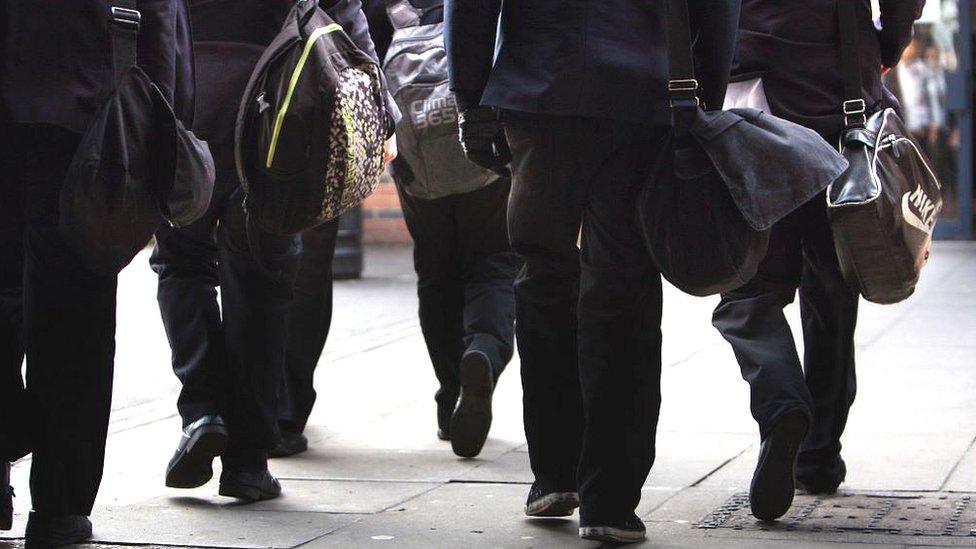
(911, 218)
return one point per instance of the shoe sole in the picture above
(248, 493)
(607, 534)
(279, 452)
(472, 418)
(195, 467)
(773, 484)
(557, 504)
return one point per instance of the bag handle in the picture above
(126, 21)
(854, 106)
(682, 84)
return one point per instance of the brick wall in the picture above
(382, 217)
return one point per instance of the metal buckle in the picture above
(854, 110)
(683, 85)
(125, 17)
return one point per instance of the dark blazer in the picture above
(229, 37)
(591, 58)
(794, 46)
(57, 59)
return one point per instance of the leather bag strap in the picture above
(854, 106)
(126, 21)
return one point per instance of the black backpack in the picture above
(427, 136)
(135, 167)
(309, 135)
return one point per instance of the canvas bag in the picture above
(135, 167)
(883, 209)
(726, 178)
(427, 136)
(311, 125)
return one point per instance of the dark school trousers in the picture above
(801, 257)
(62, 316)
(229, 356)
(309, 319)
(465, 272)
(589, 319)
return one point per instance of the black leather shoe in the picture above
(773, 484)
(56, 531)
(472, 417)
(192, 464)
(550, 503)
(6, 498)
(820, 482)
(629, 530)
(249, 485)
(443, 435)
(291, 443)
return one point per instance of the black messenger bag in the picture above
(308, 141)
(883, 209)
(136, 166)
(728, 176)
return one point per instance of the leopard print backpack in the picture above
(310, 127)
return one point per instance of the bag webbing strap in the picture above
(854, 107)
(125, 22)
(682, 84)
(403, 14)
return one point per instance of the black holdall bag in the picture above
(427, 136)
(136, 166)
(728, 176)
(883, 209)
(310, 130)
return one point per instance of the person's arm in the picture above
(897, 20)
(469, 35)
(714, 25)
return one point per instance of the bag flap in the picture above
(771, 166)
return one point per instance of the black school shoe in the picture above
(630, 530)
(291, 443)
(773, 485)
(6, 498)
(823, 481)
(56, 531)
(472, 417)
(192, 464)
(249, 484)
(545, 503)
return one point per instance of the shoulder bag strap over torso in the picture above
(126, 21)
(854, 107)
(682, 84)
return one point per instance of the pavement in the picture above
(376, 475)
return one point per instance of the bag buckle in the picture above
(681, 86)
(854, 112)
(124, 17)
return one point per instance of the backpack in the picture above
(308, 141)
(427, 136)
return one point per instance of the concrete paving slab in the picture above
(190, 521)
(352, 463)
(340, 496)
(459, 515)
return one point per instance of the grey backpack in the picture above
(427, 136)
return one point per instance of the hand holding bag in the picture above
(728, 177)
(136, 166)
(883, 209)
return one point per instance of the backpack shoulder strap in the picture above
(125, 23)
(403, 14)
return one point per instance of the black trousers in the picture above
(589, 320)
(801, 256)
(309, 319)
(63, 317)
(229, 356)
(465, 271)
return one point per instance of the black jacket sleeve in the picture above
(714, 24)
(897, 19)
(469, 35)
